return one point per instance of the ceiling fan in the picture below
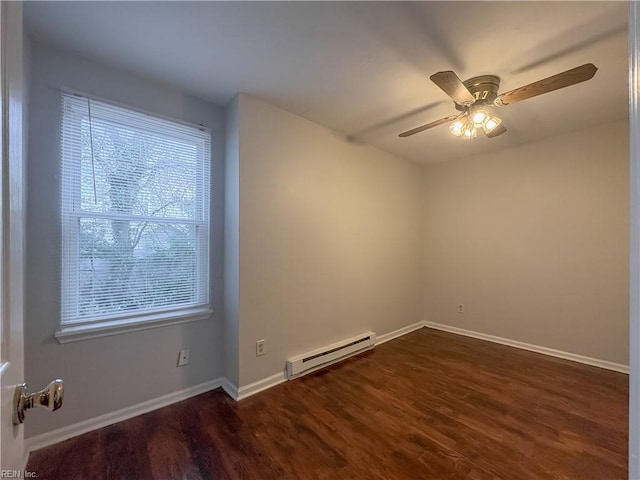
(472, 96)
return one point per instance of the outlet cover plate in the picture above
(183, 358)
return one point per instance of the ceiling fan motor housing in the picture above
(484, 89)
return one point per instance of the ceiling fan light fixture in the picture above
(469, 123)
(470, 131)
(490, 124)
(479, 118)
(457, 128)
(476, 95)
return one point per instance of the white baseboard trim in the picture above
(574, 357)
(59, 435)
(278, 378)
(237, 393)
(260, 385)
(230, 388)
(251, 389)
(399, 332)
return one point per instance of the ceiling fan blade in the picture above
(499, 130)
(565, 79)
(449, 82)
(408, 133)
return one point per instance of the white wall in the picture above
(330, 238)
(534, 242)
(109, 373)
(230, 321)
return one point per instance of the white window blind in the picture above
(135, 213)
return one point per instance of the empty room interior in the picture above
(314, 240)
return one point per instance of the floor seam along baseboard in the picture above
(574, 357)
(238, 393)
(85, 426)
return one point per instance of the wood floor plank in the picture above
(429, 405)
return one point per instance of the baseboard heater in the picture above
(333, 353)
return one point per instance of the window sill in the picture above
(72, 333)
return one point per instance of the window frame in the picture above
(80, 328)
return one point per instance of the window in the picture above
(135, 218)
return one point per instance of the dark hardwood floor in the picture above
(429, 405)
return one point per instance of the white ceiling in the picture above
(362, 68)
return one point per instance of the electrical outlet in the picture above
(460, 308)
(260, 349)
(183, 358)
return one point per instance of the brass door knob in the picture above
(49, 397)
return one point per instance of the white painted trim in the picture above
(71, 333)
(574, 357)
(400, 332)
(260, 385)
(251, 389)
(240, 393)
(237, 393)
(230, 388)
(70, 431)
(634, 240)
